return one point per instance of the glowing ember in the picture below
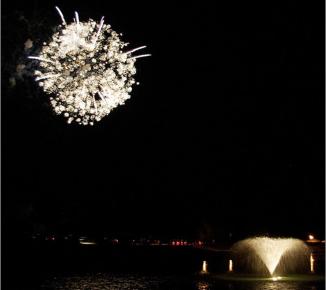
(87, 71)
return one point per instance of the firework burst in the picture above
(86, 70)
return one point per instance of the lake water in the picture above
(115, 281)
(50, 266)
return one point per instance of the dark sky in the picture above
(224, 134)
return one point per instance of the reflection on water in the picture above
(202, 285)
(104, 281)
(138, 282)
(267, 285)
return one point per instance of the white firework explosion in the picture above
(85, 70)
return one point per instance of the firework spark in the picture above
(86, 70)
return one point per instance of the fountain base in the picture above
(240, 277)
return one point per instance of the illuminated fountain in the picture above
(230, 265)
(271, 256)
(312, 263)
(204, 267)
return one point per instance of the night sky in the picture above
(225, 132)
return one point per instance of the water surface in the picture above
(131, 281)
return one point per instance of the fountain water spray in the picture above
(261, 253)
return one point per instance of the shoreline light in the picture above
(87, 243)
